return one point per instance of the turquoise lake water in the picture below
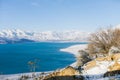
(14, 58)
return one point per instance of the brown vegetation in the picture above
(82, 57)
(101, 41)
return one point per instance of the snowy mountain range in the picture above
(17, 35)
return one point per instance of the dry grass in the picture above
(102, 40)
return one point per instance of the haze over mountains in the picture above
(19, 36)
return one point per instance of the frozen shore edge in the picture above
(72, 49)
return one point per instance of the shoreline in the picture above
(72, 50)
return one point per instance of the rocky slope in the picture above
(101, 68)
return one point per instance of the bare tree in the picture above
(33, 65)
(101, 41)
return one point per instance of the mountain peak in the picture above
(17, 34)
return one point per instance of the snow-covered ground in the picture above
(18, 76)
(15, 76)
(100, 68)
(75, 48)
(96, 72)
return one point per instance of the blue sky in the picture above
(57, 15)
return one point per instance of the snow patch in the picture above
(44, 36)
(74, 49)
(100, 68)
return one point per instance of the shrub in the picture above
(101, 41)
(82, 57)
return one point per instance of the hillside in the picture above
(14, 36)
(103, 68)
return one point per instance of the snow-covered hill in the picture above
(16, 35)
